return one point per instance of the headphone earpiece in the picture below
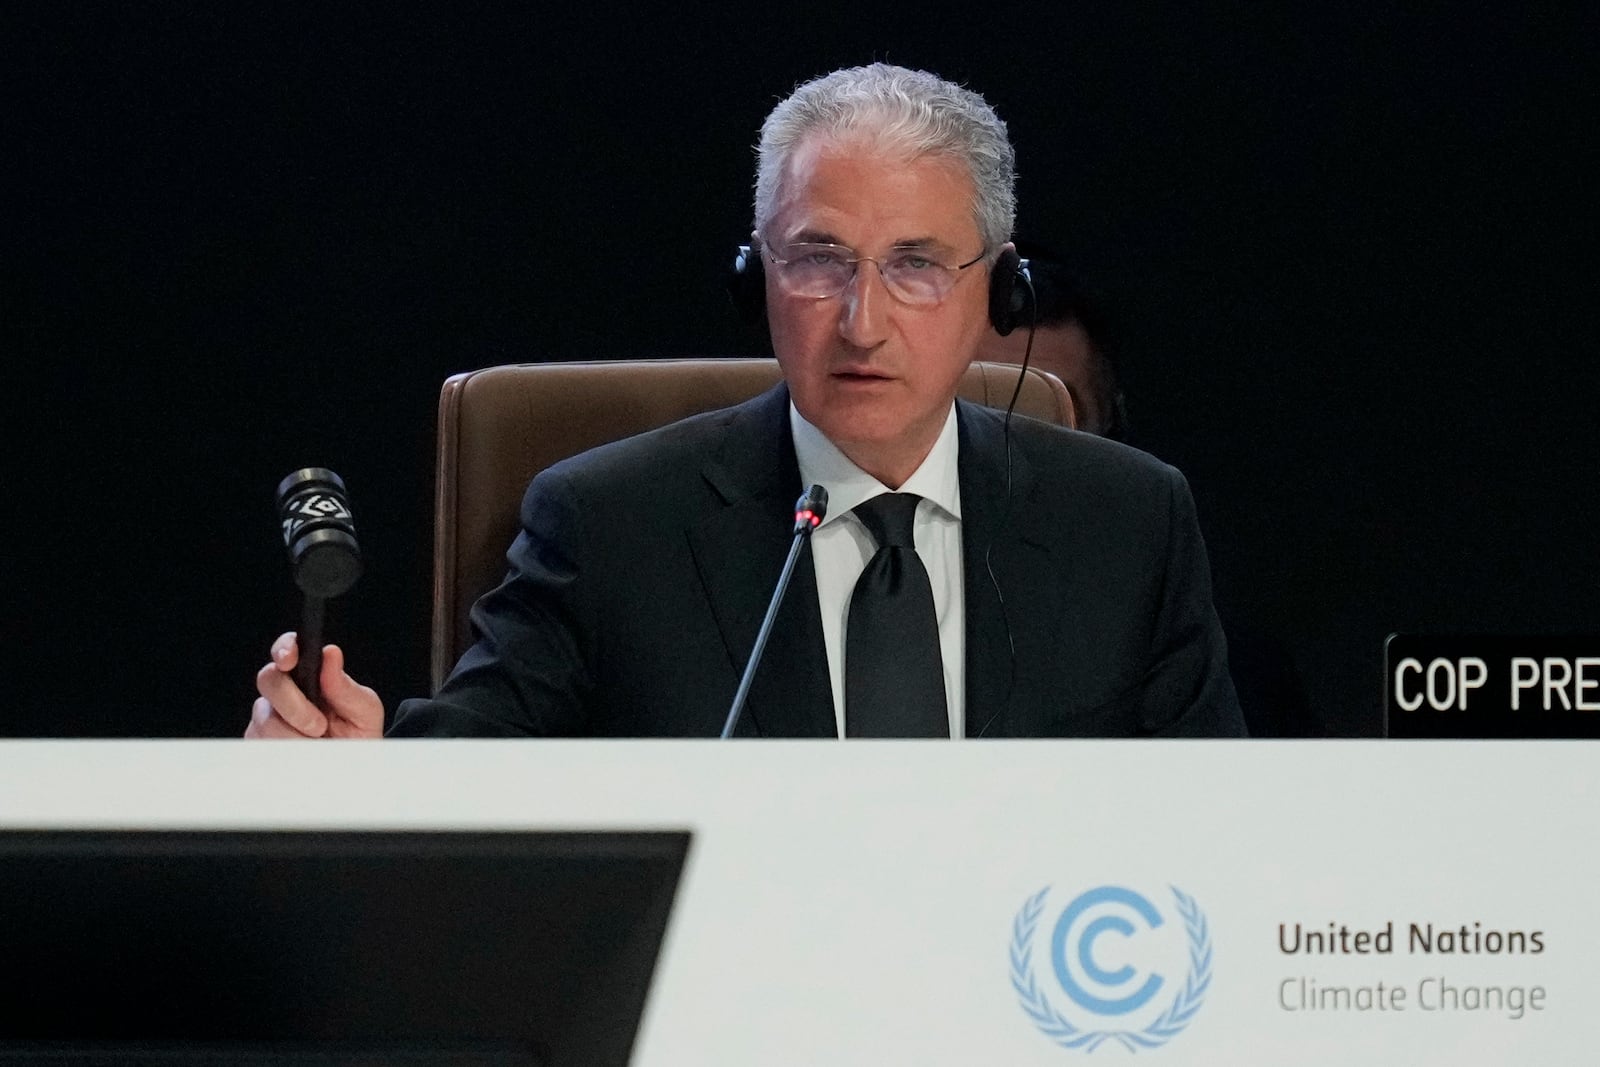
(1010, 292)
(747, 287)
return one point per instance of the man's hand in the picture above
(350, 710)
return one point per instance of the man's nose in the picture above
(864, 320)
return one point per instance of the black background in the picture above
(1348, 247)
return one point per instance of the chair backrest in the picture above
(500, 426)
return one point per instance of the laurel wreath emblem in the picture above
(1059, 1029)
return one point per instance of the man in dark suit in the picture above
(1035, 582)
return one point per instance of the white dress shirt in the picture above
(842, 545)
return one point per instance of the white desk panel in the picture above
(900, 902)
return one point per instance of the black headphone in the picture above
(1010, 289)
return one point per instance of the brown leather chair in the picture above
(500, 426)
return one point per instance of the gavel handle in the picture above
(308, 670)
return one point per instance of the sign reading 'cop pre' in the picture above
(1492, 686)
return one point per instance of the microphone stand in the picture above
(809, 511)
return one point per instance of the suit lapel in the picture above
(999, 531)
(739, 550)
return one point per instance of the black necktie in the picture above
(893, 673)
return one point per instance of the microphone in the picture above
(809, 511)
(319, 532)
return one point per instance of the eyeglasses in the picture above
(912, 275)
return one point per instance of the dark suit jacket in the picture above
(644, 568)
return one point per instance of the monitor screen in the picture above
(339, 949)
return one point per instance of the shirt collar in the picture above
(821, 463)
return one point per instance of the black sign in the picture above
(1491, 686)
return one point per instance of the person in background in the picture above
(1071, 338)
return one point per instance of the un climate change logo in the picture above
(1114, 968)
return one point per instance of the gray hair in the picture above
(897, 108)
